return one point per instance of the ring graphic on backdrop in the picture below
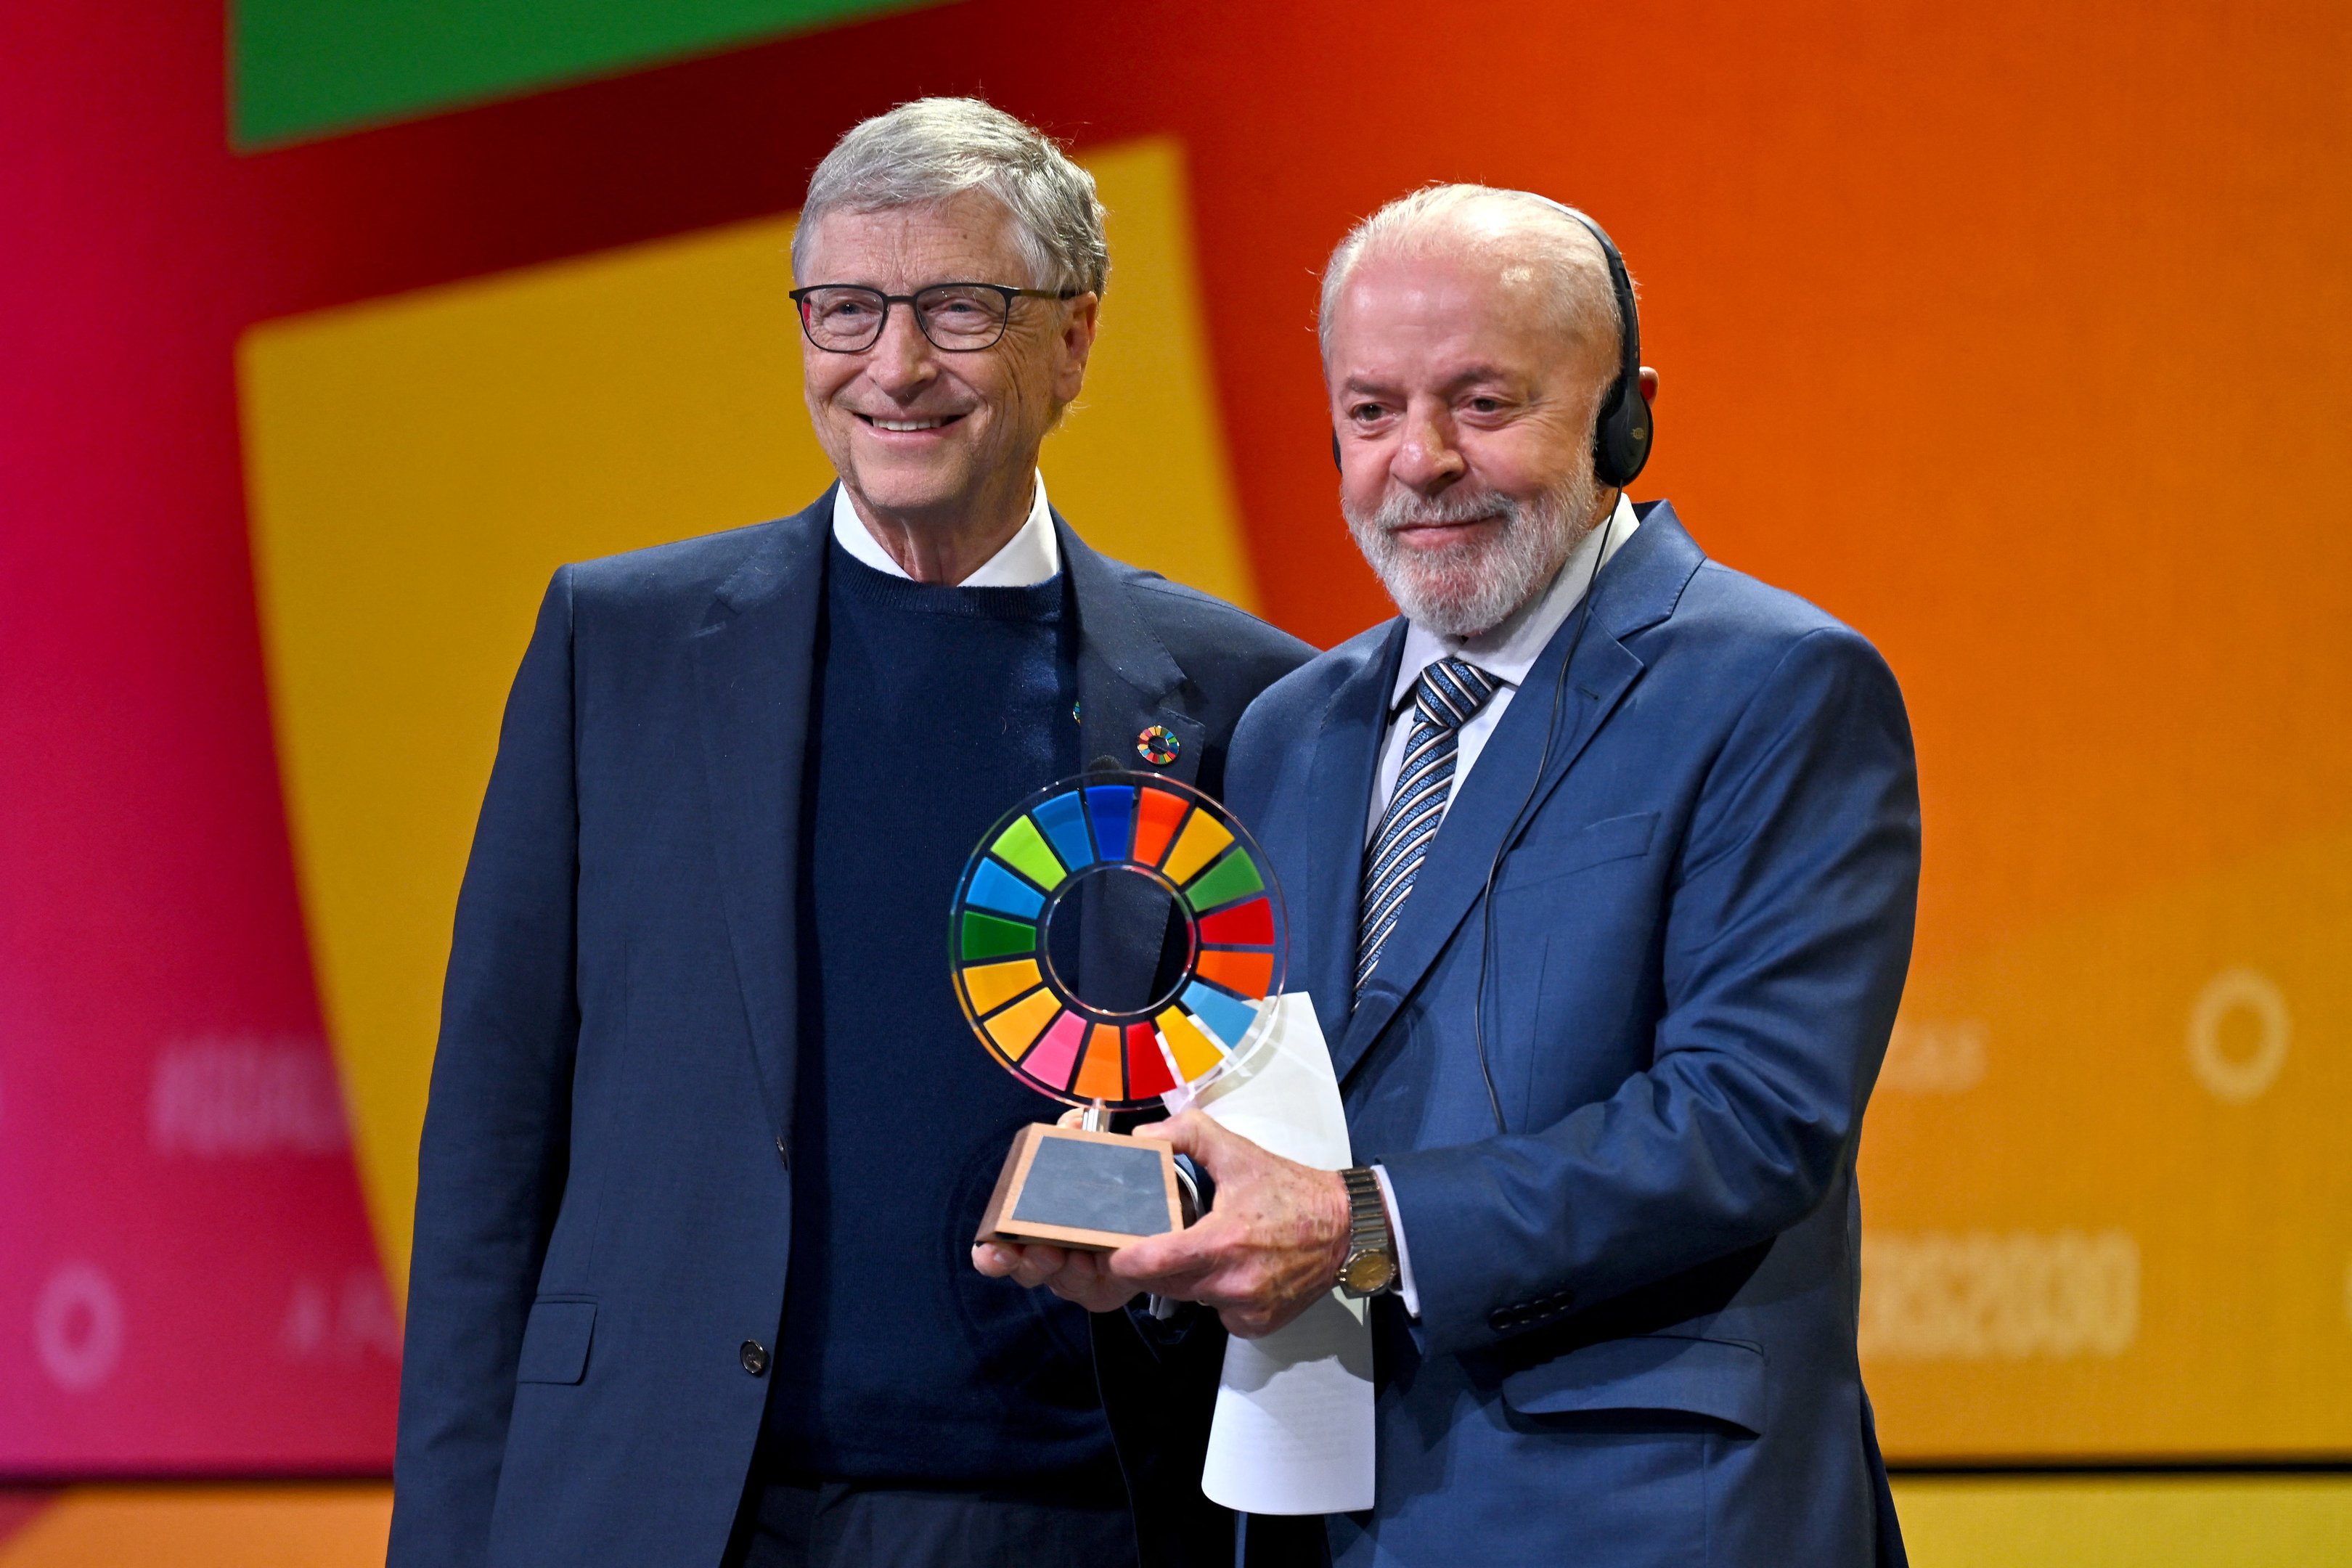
(78, 1327)
(2232, 1079)
(1119, 942)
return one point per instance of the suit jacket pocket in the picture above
(555, 1342)
(1542, 856)
(1722, 1380)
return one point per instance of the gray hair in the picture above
(1436, 214)
(936, 148)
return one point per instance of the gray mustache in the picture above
(1400, 512)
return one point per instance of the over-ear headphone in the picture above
(1622, 432)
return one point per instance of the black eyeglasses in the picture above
(959, 318)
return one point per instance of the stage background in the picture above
(2021, 338)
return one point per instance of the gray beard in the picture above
(1473, 587)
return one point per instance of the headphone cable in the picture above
(1543, 766)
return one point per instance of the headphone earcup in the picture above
(1621, 436)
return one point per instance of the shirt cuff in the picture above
(1405, 1292)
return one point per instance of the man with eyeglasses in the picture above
(698, 1033)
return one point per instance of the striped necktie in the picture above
(1444, 698)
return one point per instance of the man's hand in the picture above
(1074, 1275)
(1274, 1242)
(1270, 1247)
(1068, 1272)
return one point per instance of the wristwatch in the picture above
(1371, 1265)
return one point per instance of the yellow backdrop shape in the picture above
(416, 467)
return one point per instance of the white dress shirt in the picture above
(1506, 653)
(1030, 556)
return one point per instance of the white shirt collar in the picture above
(1508, 651)
(1030, 556)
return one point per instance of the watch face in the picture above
(1369, 1272)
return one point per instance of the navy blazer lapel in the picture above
(1322, 908)
(1636, 590)
(1127, 680)
(754, 657)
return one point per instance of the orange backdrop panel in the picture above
(2019, 337)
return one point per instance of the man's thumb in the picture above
(1191, 1134)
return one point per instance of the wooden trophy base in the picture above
(1096, 1192)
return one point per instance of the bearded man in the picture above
(1604, 859)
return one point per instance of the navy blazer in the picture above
(603, 1191)
(1636, 1340)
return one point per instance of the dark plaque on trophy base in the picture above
(1118, 944)
(1091, 1190)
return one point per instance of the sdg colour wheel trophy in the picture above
(1118, 943)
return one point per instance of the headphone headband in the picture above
(1623, 430)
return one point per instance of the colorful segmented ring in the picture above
(1225, 925)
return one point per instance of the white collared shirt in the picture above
(1030, 556)
(1506, 653)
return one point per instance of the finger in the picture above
(1190, 1286)
(1002, 1260)
(1195, 1135)
(1182, 1283)
(1039, 1263)
(1094, 1300)
(1088, 1282)
(1084, 1281)
(1103, 1298)
(1072, 1117)
(1078, 1276)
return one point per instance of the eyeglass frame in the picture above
(799, 297)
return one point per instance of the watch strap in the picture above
(1368, 1236)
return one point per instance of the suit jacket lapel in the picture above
(1637, 590)
(754, 657)
(1127, 680)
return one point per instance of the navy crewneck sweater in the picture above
(936, 709)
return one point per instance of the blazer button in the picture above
(754, 1357)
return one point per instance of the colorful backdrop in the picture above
(2017, 336)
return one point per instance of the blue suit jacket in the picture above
(603, 1196)
(1636, 1341)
